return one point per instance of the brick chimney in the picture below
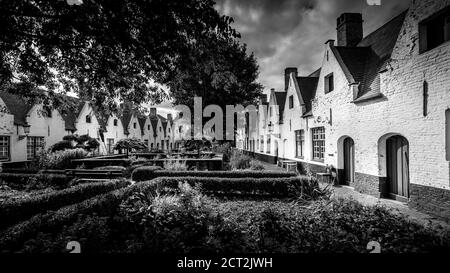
(169, 117)
(152, 112)
(287, 73)
(349, 29)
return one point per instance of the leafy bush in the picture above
(129, 144)
(256, 166)
(301, 187)
(239, 161)
(38, 181)
(12, 211)
(144, 174)
(60, 160)
(61, 146)
(175, 165)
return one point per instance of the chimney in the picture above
(349, 29)
(287, 73)
(152, 112)
(169, 117)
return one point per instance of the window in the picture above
(299, 143)
(425, 98)
(110, 145)
(148, 127)
(162, 144)
(268, 144)
(318, 143)
(447, 134)
(4, 147)
(34, 145)
(261, 146)
(291, 101)
(88, 119)
(115, 122)
(434, 31)
(151, 145)
(160, 129)
(134, 125)
(329, 83)
(180, 129)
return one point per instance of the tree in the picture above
(221, 71)
(128, 144)
(100, 49)
(74, 141)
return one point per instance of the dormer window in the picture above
(160, 129)
(329, 83)
(115, 122)
(134, 125)
(434, 31)
(148, 127)
(88, 119)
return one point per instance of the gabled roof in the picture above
(307, 90)
(362, 64)
(70, 116)
(154, 122)
(142, 120)
(17, 106)
(280, 100)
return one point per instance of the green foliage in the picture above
(256, 166)
(151, 172)
(12, 211)
(128, 144)
(239, 161)
(60, 160)
(61, 146)
(108, 36)
(29, 182)
(302, 188)
(175, 165)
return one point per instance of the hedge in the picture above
(103, 204)
(291, 187)
(148, 173)
(20, 179)
(13, 211)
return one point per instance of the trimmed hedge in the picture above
(291, 187)
(104, 204)
(21, 180)
(149, 173)
(95, 163)
(13, 211)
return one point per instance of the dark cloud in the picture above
(285, 33)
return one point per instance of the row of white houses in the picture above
(377, 110)
(25, 129)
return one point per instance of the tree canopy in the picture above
(104, 49)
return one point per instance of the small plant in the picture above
(239, 161)
(175, 165)
(59, 160)
(256, 166)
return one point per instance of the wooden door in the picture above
(349, 161)
(397, 160)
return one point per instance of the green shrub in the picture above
(13, 211)
(61, 146)
(175, 165)
(145, 173)
(256, 166)
(60, 160)
(12, 239)
(301, 187)
(35, 181)
(239, 161)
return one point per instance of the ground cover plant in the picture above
(148, 217)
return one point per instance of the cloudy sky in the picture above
(284, 33)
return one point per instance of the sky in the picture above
(292, 33)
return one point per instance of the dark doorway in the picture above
(397, 160)
(349, 161)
